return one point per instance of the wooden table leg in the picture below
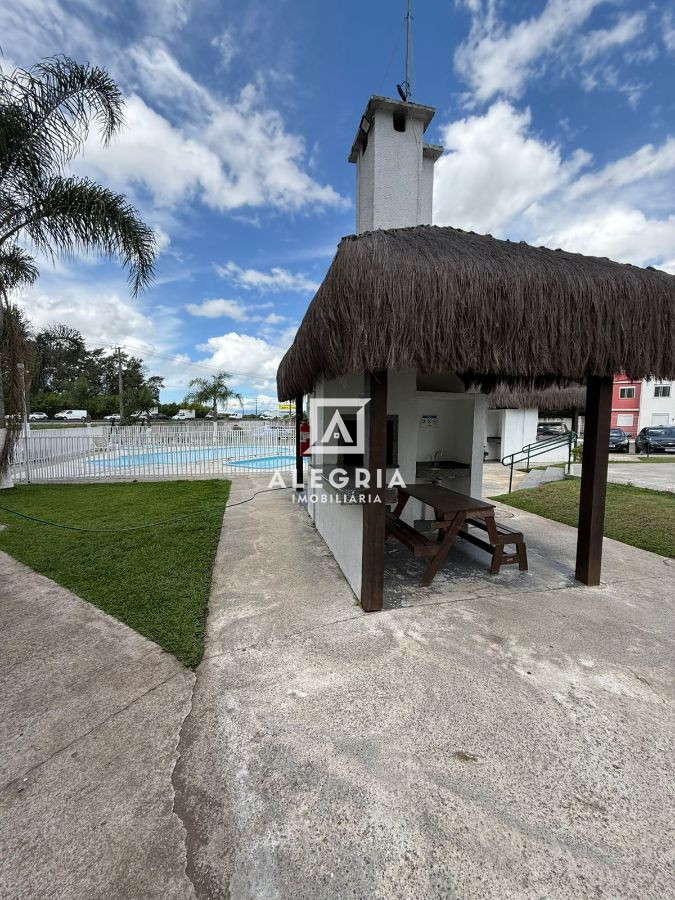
(448, 540)
(402, 500)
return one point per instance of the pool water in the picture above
(246, 458)
(265, 462)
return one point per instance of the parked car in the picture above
(656, 439)
(154, 417)
(267, 415)
(619, 440)
(209, 415)
(72, 415)
(183, 415)
(37, 417)
(551, 429)
(113, 417)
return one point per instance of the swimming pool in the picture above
(243, 458)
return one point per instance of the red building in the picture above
(626, 404)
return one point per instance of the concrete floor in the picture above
(506, 737)
(90, 714)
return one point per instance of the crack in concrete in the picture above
(85, 734)
(180, 806)
(177, 805)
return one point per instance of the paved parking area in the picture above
(655, 476)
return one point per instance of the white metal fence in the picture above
(159, 451)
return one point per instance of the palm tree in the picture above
(45, 116)
(212, 391)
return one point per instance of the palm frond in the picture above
(76, 215)
(47, 112)
(17, 269)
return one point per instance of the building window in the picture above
(399, 121)
(627, 393)
(624, 419)
(662, 390)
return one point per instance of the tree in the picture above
(145, 398)
(45, 116)
(212, 391)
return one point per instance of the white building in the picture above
(657, 404)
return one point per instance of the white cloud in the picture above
(499, 177)
(226, 45)
(497, 58)
(669, 31)
(500, 58)
(626, 29)
(233, 309)
(183, 141)
(647, 162)
(613, 230)
(494, 169)
(103, 313)
(217, 308)
(250, 360)
(277, 279)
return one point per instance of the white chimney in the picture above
(394, 167)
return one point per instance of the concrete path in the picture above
(496, 479)
(90, 714)
(494, 738)
(655, 476)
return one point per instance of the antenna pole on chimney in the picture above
(408, 89)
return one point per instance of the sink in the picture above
(447, 464)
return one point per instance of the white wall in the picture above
(459, 436)
(655, 410)
(394, 182)
(340, 525)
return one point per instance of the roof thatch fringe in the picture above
(440, 299)
(558, 400)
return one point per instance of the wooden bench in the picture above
(415, 541)
(499, 537)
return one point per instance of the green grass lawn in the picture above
(633, 515)
(156, 580)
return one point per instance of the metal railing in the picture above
(539, 448)
(141, 452)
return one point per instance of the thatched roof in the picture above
(559, 400)
(442, 299)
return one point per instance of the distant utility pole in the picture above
(256, 407)
(120, 383)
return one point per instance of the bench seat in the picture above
(415, 541)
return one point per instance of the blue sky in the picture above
(558, 119)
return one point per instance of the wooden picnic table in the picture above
(453, 513)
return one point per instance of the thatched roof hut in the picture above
(553, 400)
(441, 299)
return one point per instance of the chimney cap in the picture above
(415, 110)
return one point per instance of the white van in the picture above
(72, 415)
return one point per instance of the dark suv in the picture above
(656, 440)
(619, 440)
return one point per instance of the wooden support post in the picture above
(372, 566)
(594, 479)
(299, 469)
